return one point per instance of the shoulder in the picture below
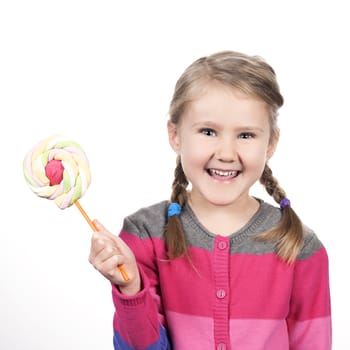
(268, 216)
(147, 221)
(311, 244)
(271, 215)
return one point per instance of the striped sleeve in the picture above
(139, 322)
(136, 325)
(309, 320)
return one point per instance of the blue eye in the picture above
(208, 132)
(246, 135)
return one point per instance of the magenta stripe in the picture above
(311, 287)
(261, 286)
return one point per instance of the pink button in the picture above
(221, 293)
(221, 346)
(222, 245)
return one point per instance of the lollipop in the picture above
(58, 169)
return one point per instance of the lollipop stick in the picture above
(92, 225)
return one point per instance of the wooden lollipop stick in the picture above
(92, 225)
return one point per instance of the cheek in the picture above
(192, 147)
(192, 154)
(255, 160)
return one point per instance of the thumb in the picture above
(98, 225)
(118, 241)
(101, 228)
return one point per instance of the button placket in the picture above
(221, 304)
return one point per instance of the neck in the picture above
(227, 219)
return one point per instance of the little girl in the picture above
(215, 267)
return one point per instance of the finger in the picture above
(119, 243)
(106, 254)
(101, 228)
(101, 249)
(108, 268)
(97, 245)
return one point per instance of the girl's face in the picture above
(223, 139)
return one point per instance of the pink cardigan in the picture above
(235, 293)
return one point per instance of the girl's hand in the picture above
(107, 252)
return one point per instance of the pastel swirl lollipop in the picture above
(58, 169)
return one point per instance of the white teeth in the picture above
(224, 173)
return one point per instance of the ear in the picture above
(173, 136)
(273, 145)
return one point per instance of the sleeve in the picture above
(139, 321)
(309, 320)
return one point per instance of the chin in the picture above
(221, 202)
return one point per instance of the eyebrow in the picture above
(205, 123)
(250, 128)
(213, 125)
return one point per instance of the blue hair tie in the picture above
(174, 209)
(284, 203)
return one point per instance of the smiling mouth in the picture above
(223, 174)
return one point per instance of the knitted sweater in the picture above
(234, 292)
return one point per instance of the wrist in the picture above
(130, 288)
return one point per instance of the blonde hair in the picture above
(253, 76)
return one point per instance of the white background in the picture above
(102, 73)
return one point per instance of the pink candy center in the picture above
(54, 171)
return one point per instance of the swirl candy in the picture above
(57, 169)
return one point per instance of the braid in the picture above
(288, 234)
(180, 183)
(174, 233)
(271, 185)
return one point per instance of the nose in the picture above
(226, 150)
